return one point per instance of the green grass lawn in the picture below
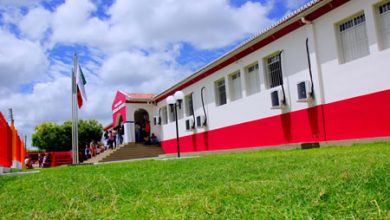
(326, 183)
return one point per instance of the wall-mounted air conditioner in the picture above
(304, 91)
(200, 121)
(277, 98)
(189, 124)
(156, 120)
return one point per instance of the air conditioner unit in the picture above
(189, 124)
(156, 120)
(304, 91)
(277, 98)
(200, 121)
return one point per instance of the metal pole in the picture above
(74, 113)
(177, 132)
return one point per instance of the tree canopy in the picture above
(58, 137)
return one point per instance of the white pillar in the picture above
(129, 136)
(16, 165)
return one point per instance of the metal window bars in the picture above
(274, 71)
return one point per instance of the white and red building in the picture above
(318, 75)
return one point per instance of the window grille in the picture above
(274, 74)
(252, 79)
(164, 115)
(189, 105)
(235, 86)
(384, 20)
(220, 92)
(353, 38)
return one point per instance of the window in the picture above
(171, 114)
(220, 91)
(273, 71)
(164, 115)
(353, 38)
(384, 23)
(235, 86)
(252, 79)
(189, 105)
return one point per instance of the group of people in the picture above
(41, 161)
(114, 137)
(142, 133)
(93, 149)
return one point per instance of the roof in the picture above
(107, 127)
(312, 10)
(141, 95)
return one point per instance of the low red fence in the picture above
(49, 159)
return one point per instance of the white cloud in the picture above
(135, 24)
(135, 68)
(205, 24)
(35, 23)
(72, 23)
(21, 61)
(49, 101)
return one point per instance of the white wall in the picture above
(358, 77)
(332, 81)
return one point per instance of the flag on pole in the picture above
(80, 81)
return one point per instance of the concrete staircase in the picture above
(100, 157)
(133, 151)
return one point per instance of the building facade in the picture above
(318, 75)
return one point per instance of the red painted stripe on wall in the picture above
(360, 117)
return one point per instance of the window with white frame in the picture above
(164, 115)
(353, 40)
(220, 92)
(235, 86)
(273, 70)
(252, 79)
(384, 23)
(189, 105)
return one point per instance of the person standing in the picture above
(110, 139)
(147, 132)
(114, 134)
(121, 133)
(105, 137)
(86, 152)
(137, 132)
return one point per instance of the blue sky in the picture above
(134, 46)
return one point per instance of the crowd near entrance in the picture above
(142, 126)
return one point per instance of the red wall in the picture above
(5, 143)
(119, 97)
(360, 117)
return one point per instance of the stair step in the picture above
(133, 151)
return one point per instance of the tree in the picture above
(53, 137)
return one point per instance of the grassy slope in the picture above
(339, 182)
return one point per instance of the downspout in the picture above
(193, 111)
(159, 116)
(310, 72)
(204, 109)
(284, 92)
(308, 58)
(319, 73)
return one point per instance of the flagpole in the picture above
(74, 113)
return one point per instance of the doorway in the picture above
(140, 117)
